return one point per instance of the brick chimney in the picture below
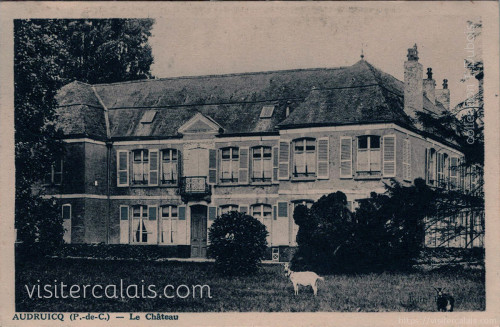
(443, 96)
(430, 86)
(413, 88)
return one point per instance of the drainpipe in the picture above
(109, 145)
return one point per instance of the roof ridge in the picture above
(221, 75)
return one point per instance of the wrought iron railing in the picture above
(194, 185)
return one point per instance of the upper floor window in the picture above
(441, 163)
(228, 208)
(369, 153)
(262, 164)
(169, 166)
(229, 165)
(431, 166)
(304, 157)
(140, 166)
(54, 176)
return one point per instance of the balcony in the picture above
(194, 188)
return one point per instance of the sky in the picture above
(201, 39)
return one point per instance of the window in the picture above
(122, 158)
(139, 221)
(267, 112)
(148, 117)
(369, 153)
(406, 160)
(54, 176)
(169, 166)
(442, 159)
(295, 227)
(228, 208)
(261, 164)
(168, 227)
(141, 167)
(261, 211)
(454, 173)
(304, 157)
(230, 165)
(264, 213)
(431, 166)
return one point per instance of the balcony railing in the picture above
(194, 185)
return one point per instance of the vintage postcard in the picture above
(263, 163)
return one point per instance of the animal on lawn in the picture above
(304, 278)
(444, 301)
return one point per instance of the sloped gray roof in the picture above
(353, 94)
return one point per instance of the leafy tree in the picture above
(50, 53)
(237, 243)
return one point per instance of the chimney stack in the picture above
(413, 87)
(430, 86)
(443, 96)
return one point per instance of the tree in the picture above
(50, 53)
(237, 243)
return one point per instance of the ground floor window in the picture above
(295, 227)
(139, 221)
(228, 208)
(264, 213)
(168, 222)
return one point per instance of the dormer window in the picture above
(267, 111)
(148, 117)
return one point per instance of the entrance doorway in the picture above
(198, 231)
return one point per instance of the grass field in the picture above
(270, 290)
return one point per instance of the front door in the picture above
(198, 231)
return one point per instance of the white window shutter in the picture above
(124, 225)
(284, 161)
(346, 157)
(389, 156)
(122, 169)
(243, 169)
(323, 156)
(275, 164)
(406, 160)
(212, 166)
(153, 167)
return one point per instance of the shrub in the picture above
(385, 233)
(237, 243)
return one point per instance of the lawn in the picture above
(269, 290)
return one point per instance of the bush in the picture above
(385, 233)
(39, 225)
(237, 243)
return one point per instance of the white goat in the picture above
(304, 278)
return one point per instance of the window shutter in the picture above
(122, 159)
(275, 164)
(244, 209)
(243, 169)
(152, 210)
(284, 161)
(427, 156)
(323, 156)
(123, 212)
(212, 213)
(153, 167)
(275, 213)
(124, 225)
(389, 144)
(346, 157)
(212, 166)
(179, 166)
(182, 213)
(282, 209)
(406, 160)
